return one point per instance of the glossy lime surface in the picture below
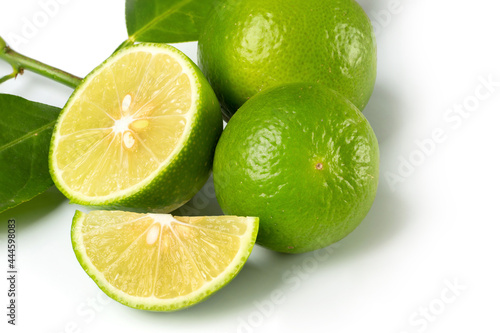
(304, 160)
(248, 46)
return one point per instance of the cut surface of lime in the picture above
(161, 262)
(144, 115)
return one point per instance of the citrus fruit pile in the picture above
(295, 170)
(140, 133)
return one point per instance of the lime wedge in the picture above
(139, 132)
(161, 262)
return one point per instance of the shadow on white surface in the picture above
(385, 114)
(386, 217)
(204, 203)
(34, 210)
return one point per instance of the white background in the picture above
(435, 226)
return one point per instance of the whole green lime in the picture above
(304, 160)
(251, 45)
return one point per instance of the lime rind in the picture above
(165, 305)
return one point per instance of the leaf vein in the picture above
(27, 136)
(159, 18)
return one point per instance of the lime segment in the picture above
(160, 262)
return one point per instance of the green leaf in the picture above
(25, 132)
(166, 21)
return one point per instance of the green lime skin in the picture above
(304, 160)
(249, 46)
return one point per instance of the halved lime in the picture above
(161, 262)
(139, 132)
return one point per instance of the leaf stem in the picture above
(21, 62)
(9, 76)
(127, 42)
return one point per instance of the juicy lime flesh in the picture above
(303, 159)
(133, 113)
(249, 46)
(158, 256)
